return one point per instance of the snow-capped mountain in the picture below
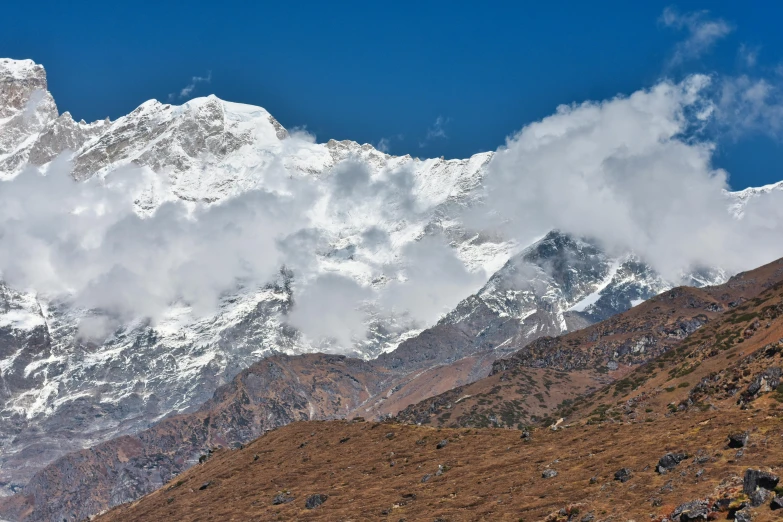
(560, 284)
(740, 199)
(63, 390)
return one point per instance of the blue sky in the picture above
(424, 78)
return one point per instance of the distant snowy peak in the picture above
(740, 199)
(203, 151)
(31, 129)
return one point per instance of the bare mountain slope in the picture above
(528, 386)
(654, 444)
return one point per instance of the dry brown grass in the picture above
(491, 474)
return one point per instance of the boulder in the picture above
(549, 473)
(442, 444)
(281, 498)
(757, 479)
(313, 501)
(623, 475)
(759, 497)
(669, 461)
(777, 503)
(693, 510)
(743, 515)
(767, 381)
(738, 440)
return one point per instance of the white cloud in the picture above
(189, 88)
(634, 172)
(329, 308)
(436, 132)
(703, 33)
(748, 55)
(630, 173)
(747, 103)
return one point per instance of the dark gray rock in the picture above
(757, 479)
(425, 478)
(767, 381)
(722, 504)
(669, 461)
(281, 498)
(743, 515)
(313, 501)
(548, 473)
(693, 510)
(589, 517)
(759, 497)
(738, 440)
(777, 503)
(442, 444)
(623, 475)
(204, 486)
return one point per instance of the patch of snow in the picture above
(593, 297)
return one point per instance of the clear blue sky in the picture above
(372, 70)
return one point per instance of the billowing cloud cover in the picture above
(633, 172)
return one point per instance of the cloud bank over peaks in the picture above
(360, 234)
(89, 244)
(634, 173)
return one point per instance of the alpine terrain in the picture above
(105, 398)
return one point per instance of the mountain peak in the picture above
(20, 70)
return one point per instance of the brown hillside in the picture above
(372, 471)
(271, 393)
(687, 398)
(552, 373)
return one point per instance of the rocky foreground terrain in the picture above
(692, 433)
